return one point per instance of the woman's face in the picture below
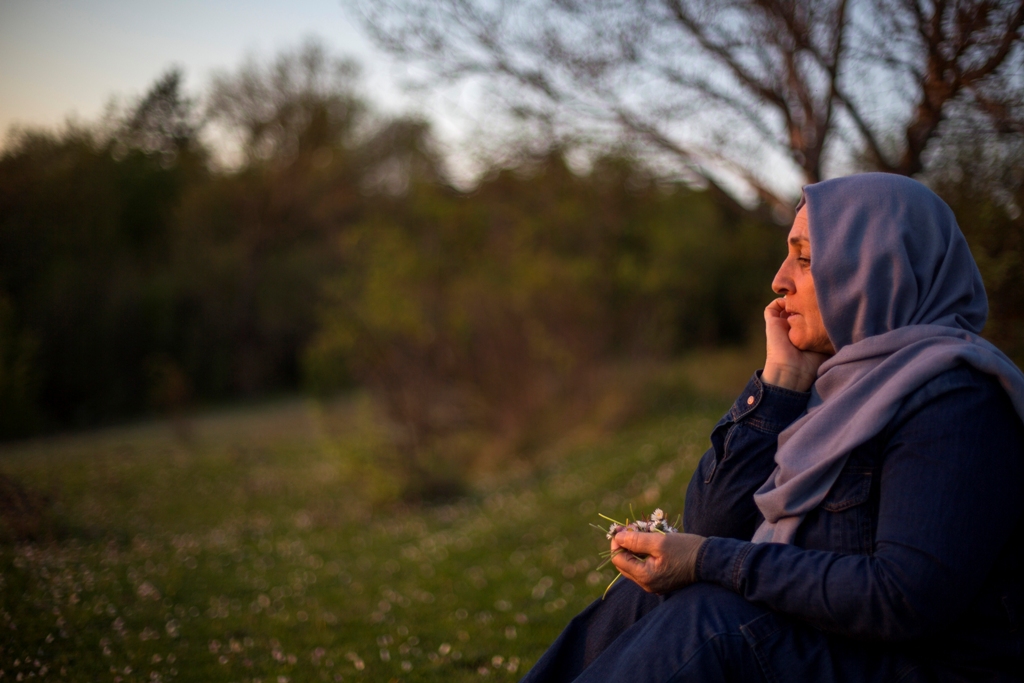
(795, 284)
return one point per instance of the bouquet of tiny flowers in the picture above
(657, 523)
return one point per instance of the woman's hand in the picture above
(669, 560)
(785, 365)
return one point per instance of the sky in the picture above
(62, 59)
(67, 58)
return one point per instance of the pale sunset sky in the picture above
(61, 58)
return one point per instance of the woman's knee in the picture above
(707, 610)
(693, 634)
(624, 605)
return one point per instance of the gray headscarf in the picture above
(902, 301)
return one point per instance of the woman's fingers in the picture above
(785, 365)
(628, 557)
(638, 543)
(777, 329)
(776, 309)
(635, 555)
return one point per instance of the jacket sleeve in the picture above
(719, 499)
(948, 502)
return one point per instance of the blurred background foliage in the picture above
(139, 276)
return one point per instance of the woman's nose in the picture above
(782, 283)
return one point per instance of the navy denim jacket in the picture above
(919, 542)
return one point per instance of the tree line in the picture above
(140, 275)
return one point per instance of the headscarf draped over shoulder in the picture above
(902, 301)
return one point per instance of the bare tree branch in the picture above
(745, 93)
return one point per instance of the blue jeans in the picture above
(707, 633)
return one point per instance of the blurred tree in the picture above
(982, 179)
(257, 243)
(758, 96)
(19, 381)
(483, 320)
(86, 220)
(164, 122)
(303, 101)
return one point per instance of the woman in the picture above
(859, 515)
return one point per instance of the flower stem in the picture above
(619, 576)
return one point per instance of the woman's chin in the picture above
(802, 343)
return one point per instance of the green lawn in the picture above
(255, 547)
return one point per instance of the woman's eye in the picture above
(803, 260)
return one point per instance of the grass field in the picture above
(255, 547)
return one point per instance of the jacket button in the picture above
(750, 400)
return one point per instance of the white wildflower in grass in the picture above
(657, 523)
